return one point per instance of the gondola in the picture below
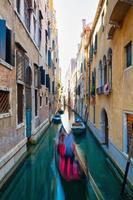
(67, 157)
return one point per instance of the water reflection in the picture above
(34, 179)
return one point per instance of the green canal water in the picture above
(35, 178)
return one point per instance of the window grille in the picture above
(4, 102)
(20, 65)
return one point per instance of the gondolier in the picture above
(67, 161)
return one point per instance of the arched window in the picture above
(100, 74)
(18, 6)
(27, 13)
(109, 62)
(105, 69)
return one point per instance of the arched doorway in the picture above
(104, 126)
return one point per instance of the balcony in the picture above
(111, 32)
(100, 90)
(118, 11)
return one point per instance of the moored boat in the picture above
(61, 111)
(67, 158)
(78, 127)
(56, 119)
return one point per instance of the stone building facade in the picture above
(109, 74)
(27, 75)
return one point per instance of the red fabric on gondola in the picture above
(68, 172)
(75, 171)
(62, 165)
(61, 149)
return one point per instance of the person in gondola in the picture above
(68, 166)
(61, 151)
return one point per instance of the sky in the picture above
(69, 15)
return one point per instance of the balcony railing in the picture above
(100, 90)
(105, 89)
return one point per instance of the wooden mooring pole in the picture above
(127, 166)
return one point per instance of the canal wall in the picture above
(10, 160)
(118, 158)
(37, 133)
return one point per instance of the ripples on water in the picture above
(36, 180)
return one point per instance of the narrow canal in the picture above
(35, 178)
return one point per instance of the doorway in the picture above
(104, 126)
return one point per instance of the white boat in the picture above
(78, 128)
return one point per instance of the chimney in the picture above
(83, 22)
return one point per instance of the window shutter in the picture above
(3, 39)
(49, 58)
(49, 85)
(8, 45)
(47, 80)
(39, 78)
(12, 49)
(42, 75)
(49, 30)
(53, 87)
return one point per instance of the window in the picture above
(47, 80)
(42, 75)
(110, 67)
(53, 44)
(100, 74)
(35, 10)
(128, 49)
(20, 103)
(93, 85)
(40, 101)
(20, 65)
(53, 89)
(6, 43)
(36, 76)
(34, 21)
(27, 14)
(102, 21)
(48, 29)
(95, 44)
(28, 76)
(46, 100)
(91, 52)
(49, 58)
(4, 102)
(40, 28)
(36, 103)
(40, 38)
(105, 70)
(18, 5)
